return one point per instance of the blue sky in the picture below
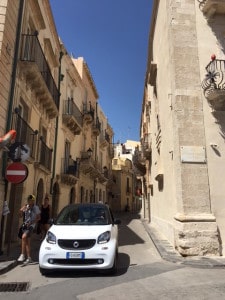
(112, 36)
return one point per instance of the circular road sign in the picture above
(16, 172)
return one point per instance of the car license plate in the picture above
(79, 255)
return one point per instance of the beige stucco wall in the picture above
(8, 19)
(210, 42)
(188, 207)
(163, 205)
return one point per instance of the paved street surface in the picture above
(143, 274)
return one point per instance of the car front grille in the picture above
(76, 244)
(76, 262)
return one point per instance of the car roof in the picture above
(88, 205)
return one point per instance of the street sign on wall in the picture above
(16, 172)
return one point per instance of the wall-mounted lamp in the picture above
(35, 132)
(213, 145)
(17, 110)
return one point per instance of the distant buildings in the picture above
(125, 190)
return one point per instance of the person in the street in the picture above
(45, 216)
(31, 215)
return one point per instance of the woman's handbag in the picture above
(21, 230)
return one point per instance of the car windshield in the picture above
(84, 215)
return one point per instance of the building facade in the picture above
(182, 125)
(63, 138)
(126, 196)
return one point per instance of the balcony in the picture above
(86, 162)
(92, 167)
(70, 171)
(146, 144)
(44, 159)
(37, 72)
(214, 84)
(26, 140)
(139, 161)
(103, 142)
(72, 117)
(96, 127)
(110, 182)
(103, 173)
(88, 114)
(111, 151)
(212, 7)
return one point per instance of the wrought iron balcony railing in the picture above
(88, 113)
(44, 155)
(104, 139)
(70, 170)
(72, 116)
(25, 136)
(96, 127)
(214, 84)
(35, 63)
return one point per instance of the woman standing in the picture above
(45, 216)
(31, 216)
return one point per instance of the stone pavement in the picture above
(8, 259)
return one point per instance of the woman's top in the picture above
(45, 214)
(30, 214)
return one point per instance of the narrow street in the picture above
(142, 274)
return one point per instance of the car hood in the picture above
(78, 231)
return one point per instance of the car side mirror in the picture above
(51, 221)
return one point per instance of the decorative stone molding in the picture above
(196, 235)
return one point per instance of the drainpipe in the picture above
(57, 124)
(10, 106)
(96, 147)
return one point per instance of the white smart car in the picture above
(84, 236)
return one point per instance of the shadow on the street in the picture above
(126, 217)
(126, 235)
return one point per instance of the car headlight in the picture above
(104, 237)
(50, 238)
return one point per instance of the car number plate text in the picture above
(79, 255)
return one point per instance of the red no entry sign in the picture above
(16, 172)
